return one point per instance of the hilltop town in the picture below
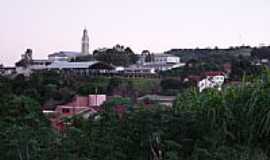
(143, 78)
(186, 66)
(116, 97)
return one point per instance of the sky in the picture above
(48, 26)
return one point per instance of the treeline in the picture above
(118, 56)
(239, 66)
(49, 88)
(198, 53)
(261, 53)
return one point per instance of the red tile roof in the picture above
(214, 73)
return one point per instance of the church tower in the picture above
(85, 42)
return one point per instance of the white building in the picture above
(34, 65)
(212, 80)
(162, 66)
(82, 68)
(59, 65)
(5, 71)
(166, 59)
(139, 70)
(159, 62)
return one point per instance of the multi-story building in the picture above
(158, 62)
(166, 59)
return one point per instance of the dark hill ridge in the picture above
(187, 54)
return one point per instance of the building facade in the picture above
(212, 80)
(158, 62)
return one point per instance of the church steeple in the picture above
(85, 42)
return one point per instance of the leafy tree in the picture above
(116, 101)
(25, 132)
(97, 85)
(243, 67)
(234, 117)
(261, 53)
(118, 56)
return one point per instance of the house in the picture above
(83, 106)
(81, 103)
(212, 80)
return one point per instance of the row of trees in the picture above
(51, 88)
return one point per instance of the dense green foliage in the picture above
(25, 132)
(44, 87)
(240, 66)
(242, 60)
(233, 121)
(261, 53)
(51, 88)
(232, 124)
(118, 55)
(119, 86)
(201, 53)
(171, 86)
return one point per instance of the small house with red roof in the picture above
(80, 105)
(213, 79)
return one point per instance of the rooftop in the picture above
(164, 55)
(70, 65)
(65, 54)
(214, 73)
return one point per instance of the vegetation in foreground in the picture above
(233, 124)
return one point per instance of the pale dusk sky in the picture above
(49, 26)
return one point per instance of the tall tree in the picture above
(118, 55)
